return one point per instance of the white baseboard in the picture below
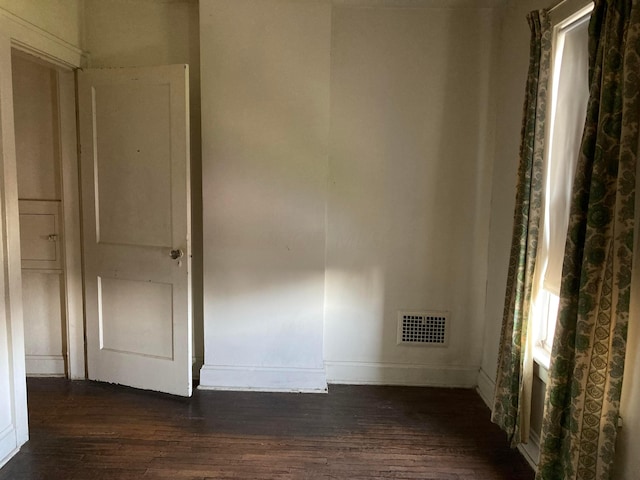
(362, 373)
(45, 365)
(261, 379)
(486, 388)
(8, 444)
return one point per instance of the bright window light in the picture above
(568, 105)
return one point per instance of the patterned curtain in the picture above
(512, 399)
(585, 377)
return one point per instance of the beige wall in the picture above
(125, 33)
(128, 33)
(61, 18)
(408, 191)
(265, 117)
(35, 114)
(404, 174)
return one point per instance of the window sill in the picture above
(541, 360)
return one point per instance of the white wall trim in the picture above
(32, 39)
(486, 387)
(10, 231)
(261, 379)
(7, 445)
(45, 365)
(364, 373)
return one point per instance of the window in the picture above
(568, 104)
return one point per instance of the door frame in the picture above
(21, 35)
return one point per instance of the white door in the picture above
(134, 147)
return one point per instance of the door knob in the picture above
(176, 254)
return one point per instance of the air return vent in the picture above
(423, 328)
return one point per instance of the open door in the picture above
(134, 148)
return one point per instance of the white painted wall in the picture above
(125, 33)
(408, 195)
(265, 124)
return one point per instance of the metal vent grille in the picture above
(423, 328)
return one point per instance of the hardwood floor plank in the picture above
(93, 431)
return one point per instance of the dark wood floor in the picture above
(91, 431)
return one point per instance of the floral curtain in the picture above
(585, 376)
(512, 398)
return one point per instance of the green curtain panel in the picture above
(512, 398)
(587, 361)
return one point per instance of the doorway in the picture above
(49, 224)
(49, 214)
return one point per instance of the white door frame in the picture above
(16, 33)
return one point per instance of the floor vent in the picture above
(423, 328)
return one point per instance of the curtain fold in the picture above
(512, 397)
(587, 361)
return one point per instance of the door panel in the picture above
(133, 164)
(119, 300)
(135, 193)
